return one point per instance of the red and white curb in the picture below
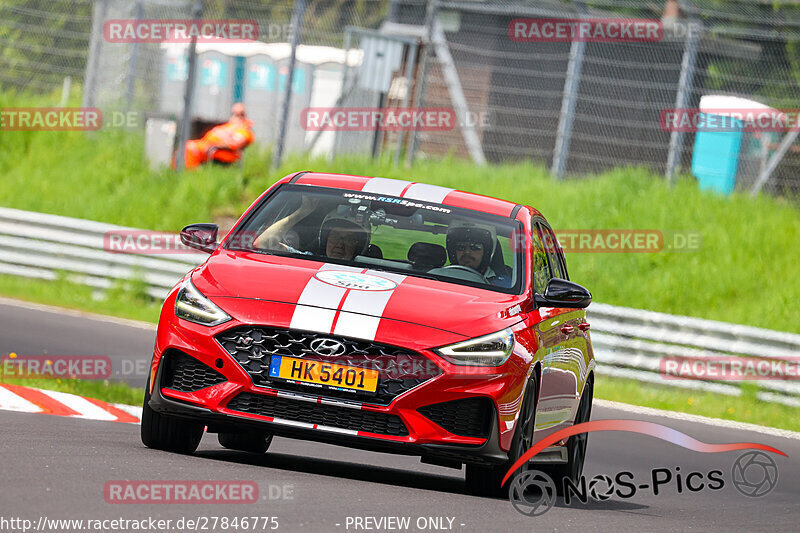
(30, 400)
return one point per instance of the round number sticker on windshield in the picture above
(355, 280)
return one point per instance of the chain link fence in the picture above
(43, 44)
(585, 107)
(577, 106)
(154, 75)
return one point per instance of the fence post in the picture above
(419, 100)
(457, 98)
(411, 59)
(188, 91)
(685, 85)
(90, 78)
(776, 158)
(297, 22)
(348, 44)
(567, 118)
(66, 88)
(132, 65)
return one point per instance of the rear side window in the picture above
(554, 253)
(541, 272)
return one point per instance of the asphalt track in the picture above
(57, 467)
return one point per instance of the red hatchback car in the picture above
(377, 314)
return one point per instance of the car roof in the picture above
(408, 189)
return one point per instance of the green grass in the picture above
(107, 391)
(744, 408)
(121, 302)
(116, 302)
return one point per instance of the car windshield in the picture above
(365, 230)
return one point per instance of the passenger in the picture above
(473, 245)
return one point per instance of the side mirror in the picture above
(201, 237)
(563, 293)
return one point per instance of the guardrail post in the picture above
(90, 78)
(566, 119)
(422, 80)
(297, 26)
(685, 85)
(188, 91)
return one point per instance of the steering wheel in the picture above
(467, 270)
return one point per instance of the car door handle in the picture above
(566, 330)
(583, 326)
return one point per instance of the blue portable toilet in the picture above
(718, 143)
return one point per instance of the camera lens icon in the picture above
(754, 474)
(532, 493)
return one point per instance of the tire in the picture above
(168, 433)
(576, 446)
(245, 442)
(485, 480)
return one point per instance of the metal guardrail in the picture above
(627, 342)
(632, 343)
(38, 245)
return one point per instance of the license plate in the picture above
(322, 373)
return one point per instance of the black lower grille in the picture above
(399, 369)
(469, 417)
(314, 413)
(187, 374)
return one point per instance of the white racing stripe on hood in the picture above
(386, 186)
(359, 316)
(316, 307)
(361, 311)
(427, 193)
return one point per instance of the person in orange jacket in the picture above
(224, 143)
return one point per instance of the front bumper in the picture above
(236, 403)
(487, 453)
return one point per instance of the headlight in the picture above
(191, 305)
(489, 350)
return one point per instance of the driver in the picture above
(340, 236)
(473, 245)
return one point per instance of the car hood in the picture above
(313, 286)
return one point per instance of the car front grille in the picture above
(320, 414)
(469, 417)
(187, 374)
(399, 369)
